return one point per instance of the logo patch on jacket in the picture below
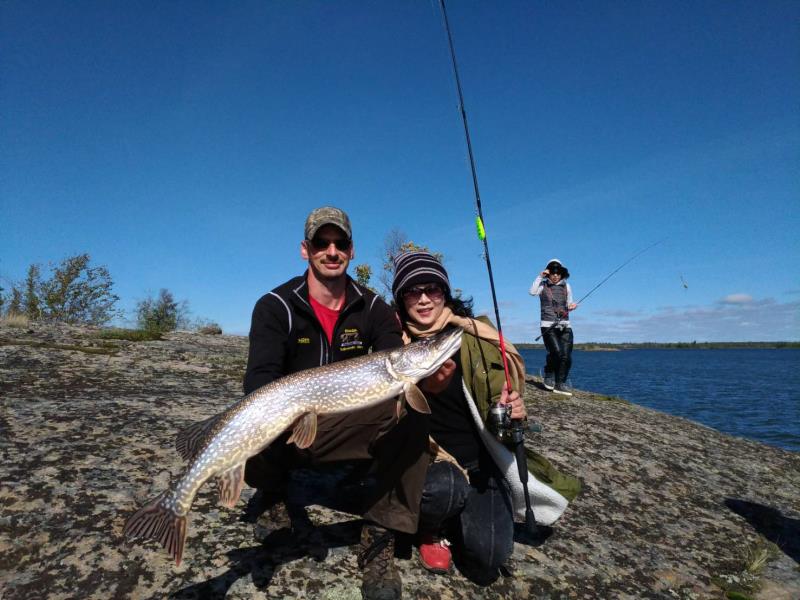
(349, 340)
(303, 340)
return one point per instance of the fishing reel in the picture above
(503, 427)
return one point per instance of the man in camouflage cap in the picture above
(327, 215)
(317, 318)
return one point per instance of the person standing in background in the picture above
(555, 296)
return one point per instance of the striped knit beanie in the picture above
(413, 268)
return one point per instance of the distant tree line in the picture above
(77, 293)
(670, 345)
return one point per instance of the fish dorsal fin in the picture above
(189, 440)
(416, 399)
(230, 485)
(305, 430)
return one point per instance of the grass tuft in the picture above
(746, 581)
(131, 335)
(15, 320)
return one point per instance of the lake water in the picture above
(750, 393)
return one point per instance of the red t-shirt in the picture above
(326, 316)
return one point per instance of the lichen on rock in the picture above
(86, 435)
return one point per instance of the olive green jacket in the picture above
(484, 377)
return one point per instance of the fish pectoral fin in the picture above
(416, 399)
(230, 485)
(305, 430)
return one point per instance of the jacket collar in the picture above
(299, 294)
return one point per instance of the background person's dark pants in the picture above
(399, 451)
(559, 352)
(475, 515)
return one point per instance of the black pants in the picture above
(475, 515)
(398, 449)
(559, 352)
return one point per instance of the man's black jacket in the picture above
(285, 335)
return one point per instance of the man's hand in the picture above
(572, 306)
(517, 406)
(438, 382)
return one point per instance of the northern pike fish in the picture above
(219, 446)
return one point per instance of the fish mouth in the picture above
(454, 338)
(444, 344)
(418, 360)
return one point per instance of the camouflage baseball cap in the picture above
(327, 215)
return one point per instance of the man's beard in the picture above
(322, 274)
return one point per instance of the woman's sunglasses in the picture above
(320, 244)
(433, 291)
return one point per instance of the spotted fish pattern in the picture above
(219, 446)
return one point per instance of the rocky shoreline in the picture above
(670, 508)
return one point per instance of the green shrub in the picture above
(77, 293)
(74, 293)
(161, 314)
(209, 329)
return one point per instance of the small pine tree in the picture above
(32, 304)
(15, 306)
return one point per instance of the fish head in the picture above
(419, 359)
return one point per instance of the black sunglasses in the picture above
(433, 291)
(320, 244)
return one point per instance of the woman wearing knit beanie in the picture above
(473, 481)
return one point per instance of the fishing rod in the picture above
(479, 218)
(609, 276)
(518, 432)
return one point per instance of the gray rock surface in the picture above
(670, 509)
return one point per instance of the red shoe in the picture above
(434, 554)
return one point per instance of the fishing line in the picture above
(609, 276)
(631, 259)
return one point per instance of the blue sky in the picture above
(182, 144)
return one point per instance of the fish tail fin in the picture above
(157, 520)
